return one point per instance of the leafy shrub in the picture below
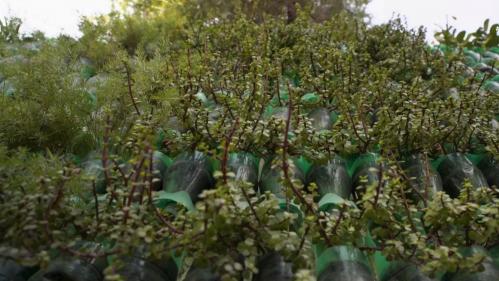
(46, 110)
(234, 86)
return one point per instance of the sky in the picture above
(62, 16)
(435, 14)
(53, 16)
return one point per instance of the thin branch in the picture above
(379, 186)
(285, 168)
(94, 190)
(129, 84)
(302, 242)
(135, 178)
(225, 157)
(165, 221)
(340, 218)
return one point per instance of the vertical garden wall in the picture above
(175, 142)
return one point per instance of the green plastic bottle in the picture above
(454, 169)
(11, 270)
(424, 180)
(331, 177)
(490, 270)
(245, 167)
(403, 271)
(160, 164)
(274, 267)
(343, 263)
(490, 169)
(190, 172)
(365, 166)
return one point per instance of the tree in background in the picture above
(321, 10)
(143, 24)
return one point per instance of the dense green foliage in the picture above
(140, 82)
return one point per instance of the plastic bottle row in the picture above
(192, 172)
(484, 61)
(338, 263)
(183, 178)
